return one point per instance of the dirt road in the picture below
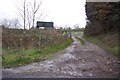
(87, 61)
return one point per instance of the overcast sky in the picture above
(61, 12)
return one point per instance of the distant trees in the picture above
(76, 26)
(5, 22)
(15, 23)
(10, 23)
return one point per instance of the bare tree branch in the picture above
(42, 15)
(28, 12)
(29, 18)
(22, 11)
(35, 9)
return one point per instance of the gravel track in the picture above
(76, 61)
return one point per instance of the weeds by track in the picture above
(21, 47)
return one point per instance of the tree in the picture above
(28, 12)
(29, 18)
(35, 8)
(22, 11)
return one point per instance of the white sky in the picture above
(61, 12)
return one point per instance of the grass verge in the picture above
(81, 40)
(108, 42)
(24, 57)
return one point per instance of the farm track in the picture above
(76, 61)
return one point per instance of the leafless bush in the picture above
(25, 39)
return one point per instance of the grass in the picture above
(15, 58)
(108, 42)
(78, 33)
(81, 40)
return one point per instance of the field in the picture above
(21, 47)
